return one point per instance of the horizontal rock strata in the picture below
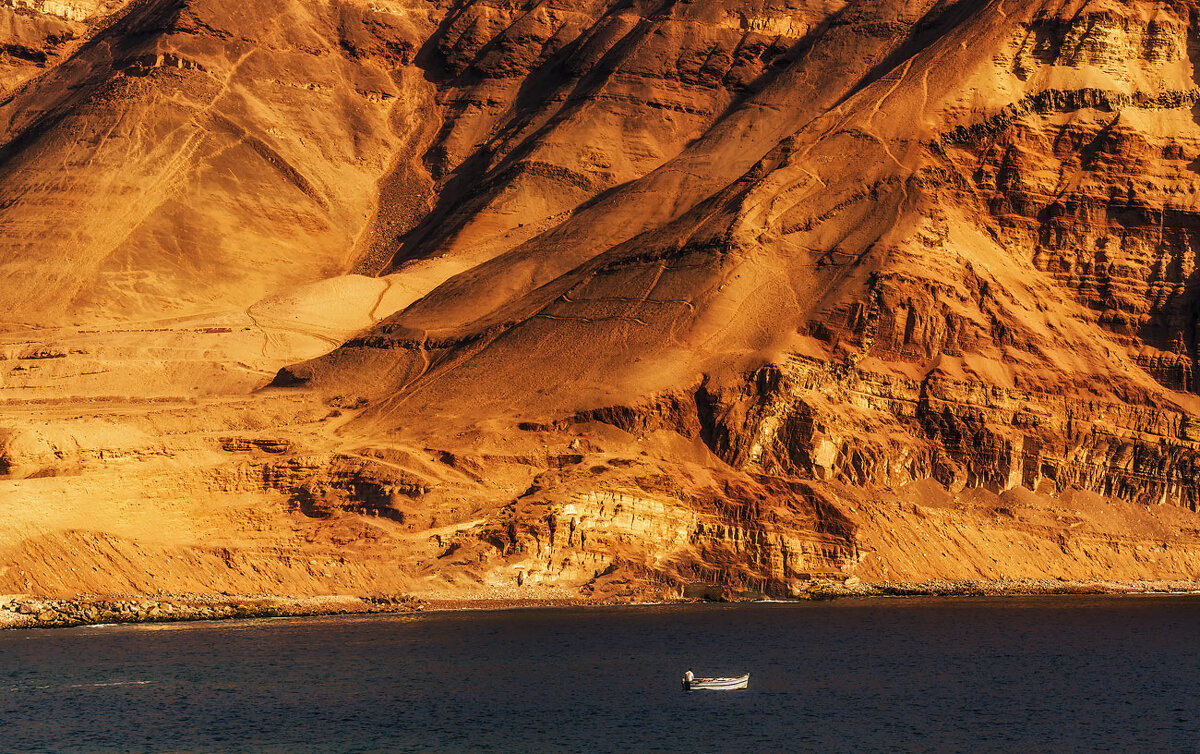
(596, 301)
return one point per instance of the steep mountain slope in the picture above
(637, 298)
(192, 156)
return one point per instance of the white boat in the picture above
(717, 684)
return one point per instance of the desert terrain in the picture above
(470, 302)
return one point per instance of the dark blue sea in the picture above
(1048, 674)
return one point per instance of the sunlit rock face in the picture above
(595, 299)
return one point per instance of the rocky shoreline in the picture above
(1009, 588)
(30, 612)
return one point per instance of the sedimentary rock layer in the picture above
(598, 300)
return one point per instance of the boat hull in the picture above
(718, 684)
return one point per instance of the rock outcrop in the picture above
(599, 300)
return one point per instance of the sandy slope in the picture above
(590, 300)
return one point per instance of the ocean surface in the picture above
(1022, 674)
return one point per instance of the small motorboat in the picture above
(717, 684)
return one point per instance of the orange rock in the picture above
(596, 300)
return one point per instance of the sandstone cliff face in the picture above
(599, 299)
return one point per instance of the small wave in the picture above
(101, 684)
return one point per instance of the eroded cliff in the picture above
(599, 300)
